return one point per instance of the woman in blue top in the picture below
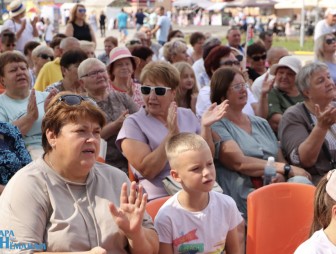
(243, 142)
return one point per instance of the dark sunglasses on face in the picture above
(74, 100)
(46, 57)
(330, 41)
(159, 90)
(258, 58)
(239, 58)
(230, 63)
(82, 10)
(10, 45)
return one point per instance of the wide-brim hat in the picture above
(118, 53)
(15, 8)
(290, 62)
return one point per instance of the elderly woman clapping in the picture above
(94, 79)
(19, 105)
(307, 130)
(71, 203)
(143, 135)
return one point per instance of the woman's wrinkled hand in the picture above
(129, 215)
(172, 124)
(32, 109)
(326, 118)
(214, 113)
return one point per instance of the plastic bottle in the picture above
(270, 171)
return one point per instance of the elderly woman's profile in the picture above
(66, 199)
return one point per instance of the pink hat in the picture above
(120, 53)
(331, 184)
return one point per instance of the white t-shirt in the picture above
(318, 243)
(203, 102)
(322, 27)
(26, 36)
(257, 85)
(201, 232)
(199, 69)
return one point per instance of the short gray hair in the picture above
(85, 66)
(303, 78)
(42, 49)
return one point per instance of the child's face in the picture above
(195, 170)
(187, 79)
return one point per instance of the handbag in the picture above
(172, 186)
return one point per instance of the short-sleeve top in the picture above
(147, 129)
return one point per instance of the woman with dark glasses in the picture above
(243, 142)
(256, 57)
(143, 135)
(71, 202)
(325, 49)
(77, 26)
(117, 106)
(40, 56)
(18, 104)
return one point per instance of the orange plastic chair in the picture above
(153, 206)
(279, 218)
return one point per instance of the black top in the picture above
(102, 19)
(82, 32)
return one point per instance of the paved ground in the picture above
(219, 31)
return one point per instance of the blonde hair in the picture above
(87, 64)
(182, 67)
(174, 47)
(161, 71)
(318, 47)
(183, 142)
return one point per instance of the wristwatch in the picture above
(287, 169)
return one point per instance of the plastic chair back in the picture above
(279, 218)
(153, 206)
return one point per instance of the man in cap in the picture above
(284, 94)
(326, 25)
(24, 29)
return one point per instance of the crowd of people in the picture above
(200, 111)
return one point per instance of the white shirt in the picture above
(318, 243)
(322, 28)
(198, 68)
(257, 85)
(26, 36)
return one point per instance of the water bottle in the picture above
(270, 171)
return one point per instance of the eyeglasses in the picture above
(74, 99)
(330, 41)
(82, 10)
(94, 73)
(46, 56)
(238, 87)
(230, 63)
(258, 58)
(159, 90)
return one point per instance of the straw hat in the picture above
(120, 53)
(15, 8)
(290, 62)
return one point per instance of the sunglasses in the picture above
(74, 99)
(230, 63)
(330, 41)
(239, 58)
(159, 90)
(10, 45)
(94, 73)
(238, 87)
(258, 58)
(46, 57)
(82, 10)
